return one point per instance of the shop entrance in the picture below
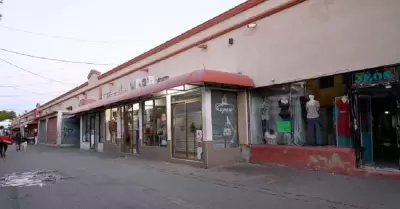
(186, 124)
(92, 141)
(379, 122)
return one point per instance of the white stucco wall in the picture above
(313, 38)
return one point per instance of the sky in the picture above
(94, 31)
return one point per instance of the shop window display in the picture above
(333, 114)
(155, 122)
(301, 114)
(271, 121)
(111, 115)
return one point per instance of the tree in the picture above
(4, 115)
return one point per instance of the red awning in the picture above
(198, 76)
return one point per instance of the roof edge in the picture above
(208, 24)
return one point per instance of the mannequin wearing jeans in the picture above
(313, 127)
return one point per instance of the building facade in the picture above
(259, 63)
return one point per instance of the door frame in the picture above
(198, 99)
(92, 126)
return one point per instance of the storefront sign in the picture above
(284, 126)
(145, 81)
(384, 75)
(113, 94)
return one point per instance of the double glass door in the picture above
(130, 128)
(187, 129)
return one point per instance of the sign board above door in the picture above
(377, 76)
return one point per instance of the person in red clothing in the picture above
(4, 142)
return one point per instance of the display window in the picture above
(308, 113)
(112, 126)
(155, 122)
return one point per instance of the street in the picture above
(92, 180)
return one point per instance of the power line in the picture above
(29, 84)
(61, 37)
(53, 59)
(33, 73)
(33, 92)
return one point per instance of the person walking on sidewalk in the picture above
(4, 142)
(18, 141)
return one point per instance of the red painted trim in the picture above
(198, 76)
(230, 13)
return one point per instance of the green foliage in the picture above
(4, 115)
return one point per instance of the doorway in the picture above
(379, 122)
(92, 140)
(186, 125)
(384, 123)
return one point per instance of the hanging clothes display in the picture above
(343, 123)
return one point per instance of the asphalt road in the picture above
(91, 180)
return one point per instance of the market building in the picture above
(296, 82)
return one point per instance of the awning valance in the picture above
(195, 77)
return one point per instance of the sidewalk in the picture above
(304, 185)
(285, 183)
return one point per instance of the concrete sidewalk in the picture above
(235, 186)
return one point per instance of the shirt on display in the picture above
(312, 109)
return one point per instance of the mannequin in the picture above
(313, 127)
(343, 123)
(284, 105)
(285, 115)
(268, 132)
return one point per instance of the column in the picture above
(207, 124)
(59, 127)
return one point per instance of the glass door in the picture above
(92, 131)
(398, 131)
(127, 142)
(179, 130)
(365, 123)
(186, 125)
(193, 125)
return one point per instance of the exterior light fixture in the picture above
(252, 25)
(203, 46)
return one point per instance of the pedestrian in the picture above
(4, 142)
(18, 141)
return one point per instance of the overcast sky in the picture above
(96, 31)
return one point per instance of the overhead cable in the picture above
(53, 59)
(62, 37)
(36, 74)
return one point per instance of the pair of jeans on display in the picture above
(313, 131)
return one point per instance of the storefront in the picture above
(375, 98)
(92, 130)
(336, 122)
(30, 131)
(192, 117)
(305, 123)
(122, 129)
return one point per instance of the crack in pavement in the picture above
(264, 190)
